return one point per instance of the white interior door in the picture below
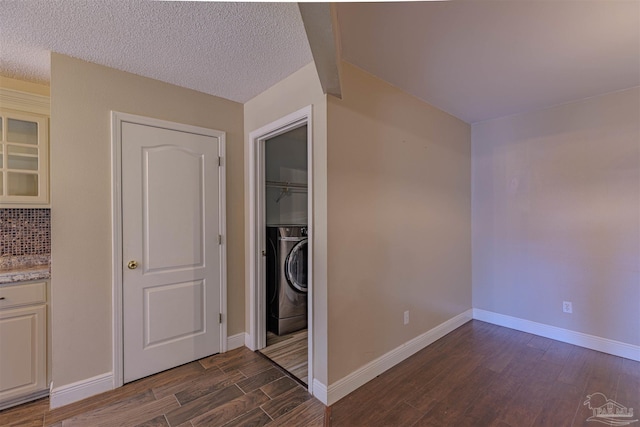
(170, 247)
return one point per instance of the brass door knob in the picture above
(132, 265)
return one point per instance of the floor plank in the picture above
(304, 415)
(203, 405)
(290, 352)
(286, 402)
(159, 421)
(105, 413)
(231, 410)
(254, 418)
(185, 393)
(261, 379)
(278, 387)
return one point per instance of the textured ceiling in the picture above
(480, 60)
(231, 50)
(474, 59)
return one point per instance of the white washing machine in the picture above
(286, 278)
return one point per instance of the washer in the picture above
(286, 279)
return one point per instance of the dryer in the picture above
(286, 278)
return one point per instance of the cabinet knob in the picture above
(132, 265)
(1, 298)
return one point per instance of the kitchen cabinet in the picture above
(24, 158)
(23, 342)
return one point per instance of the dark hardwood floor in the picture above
(478, 375)
(486, 375)
(238, 388)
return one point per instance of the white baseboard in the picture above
(74, 392)
(329, 395)
(99, 384)
(70, 393)
(236, 341)
(24, 399)
(366, 373)
(320, 392)
(592, 342)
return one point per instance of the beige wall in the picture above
(556, 216)
(82, 97)
(399, 215)
(297, 91)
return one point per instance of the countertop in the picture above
(39, 272)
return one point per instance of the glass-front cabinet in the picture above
(23, 158)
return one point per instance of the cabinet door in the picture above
(23, 351)
(23, 158)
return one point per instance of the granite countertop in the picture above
(24, 274)
(23, 268)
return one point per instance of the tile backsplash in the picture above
(25, 237)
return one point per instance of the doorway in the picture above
(169, 256)
(281, 244)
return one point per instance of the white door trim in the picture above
(257, 324)
(117, 119)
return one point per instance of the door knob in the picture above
(264, 253)
(132, 265)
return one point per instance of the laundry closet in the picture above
(286, 219)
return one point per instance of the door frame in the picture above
(256, 266)
(117, 118)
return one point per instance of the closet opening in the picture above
(281, 244)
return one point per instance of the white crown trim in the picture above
(24, 101)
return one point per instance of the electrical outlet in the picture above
(567, 307)
(406, 317)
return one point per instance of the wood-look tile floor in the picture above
(290, 352)
(486, 375)
(238, 388)
(479, 375)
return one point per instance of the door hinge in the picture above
(219, 161)
(220, 318)
(219, 239)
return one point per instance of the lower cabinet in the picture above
(23, 341)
